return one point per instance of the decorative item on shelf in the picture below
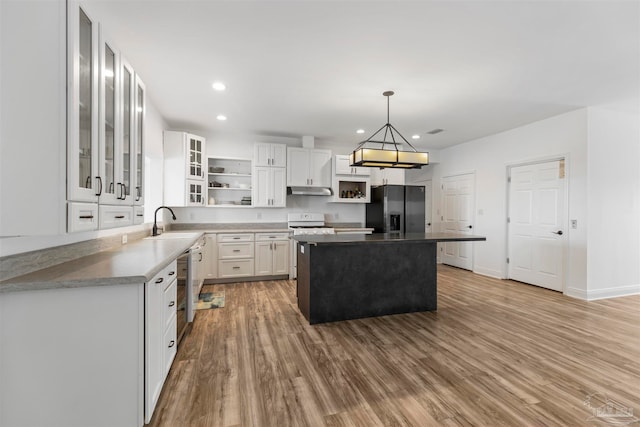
(215, 169)
(368, 156)
(215, 184)
(246, 200)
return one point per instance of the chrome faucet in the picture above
(155, 214)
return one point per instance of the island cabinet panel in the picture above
(351, 281)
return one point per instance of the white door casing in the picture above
(537, 224)
(458, 197)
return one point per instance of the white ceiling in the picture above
(293, 68)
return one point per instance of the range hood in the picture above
(309, 191)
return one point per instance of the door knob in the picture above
(559, 232)
(428, 224)
(470, 226)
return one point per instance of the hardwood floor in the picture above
(495, 353)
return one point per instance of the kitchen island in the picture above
(351, 276)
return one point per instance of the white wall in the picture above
(613, 254)
(489, 157)
(153, 153)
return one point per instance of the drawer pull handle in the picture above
(172, 343)
(160, 280)
(236, 268)
(86, 217)
(236, 250)
(236, 238)
(139, 214)
(172, 303)
(119, 216)
(171, 273)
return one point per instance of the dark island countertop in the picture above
(323, 239)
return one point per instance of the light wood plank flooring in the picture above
(495, 353)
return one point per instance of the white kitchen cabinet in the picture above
(308, 167)
(160, 333)
(269, 187)
(235, 255)
(271, 254)
(83, 177)
(82, 216)
(274, 155)
(211, 256)
(387, 176)
(341, 167)
(229, 182)
(111, 216)
(184, 176)
(137, 159)
(138, 214)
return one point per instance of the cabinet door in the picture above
(262, 154)
(83, 175)
(281, 256)
(127, 133)
(297, 167)
(261, 186)
(212, 256)
(195, 150)
(320, 166)
(109, 108)
(279, 187)
(342, 165)
(263, 263)
(279, 155)
(154, 351)
(394, 176)
(137, 160)
(195, 193)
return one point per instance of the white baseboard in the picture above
(596, 294)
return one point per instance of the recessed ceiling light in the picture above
(360, 131)
(416, 136)
(219, 86)
(221, 117)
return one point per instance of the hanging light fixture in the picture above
(387, 154)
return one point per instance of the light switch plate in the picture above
(124, 239)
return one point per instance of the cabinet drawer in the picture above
(240, 237)
(170, 344)
(82, 217)
(235, 268)
(169, 301)
(271, 236)
(115, 216)
(235, 250)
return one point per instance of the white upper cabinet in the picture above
(387, 176)
(184, 183)
(110, 157)
(137, 159)
(342, 167)
(269, 175)
(274, 155)
(308, 167)
(127, 128)
(83, 178)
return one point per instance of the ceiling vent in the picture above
(435, 131)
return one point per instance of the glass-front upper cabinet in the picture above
(110, 165)
(137, 165)
(84, 183)
(127, 100)
(196, 157)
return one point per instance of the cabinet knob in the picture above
(172, 343)
(160, 280)
(172, 303)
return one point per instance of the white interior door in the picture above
(536, 224)
(458, 194)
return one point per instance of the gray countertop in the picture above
(327, 239)
(136, 262)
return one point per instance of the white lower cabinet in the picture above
(235, 268)
(82, 216)
(211, 257)
(138, 214)
(160, 333)
(235, 255)
(271, 254)
(115, 216)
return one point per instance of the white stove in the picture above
(304, 223)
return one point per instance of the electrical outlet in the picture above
(124, 239)
(574, 223)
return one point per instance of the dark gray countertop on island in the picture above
(387, 237)
(351, 276)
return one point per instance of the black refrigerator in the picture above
(396, 209)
